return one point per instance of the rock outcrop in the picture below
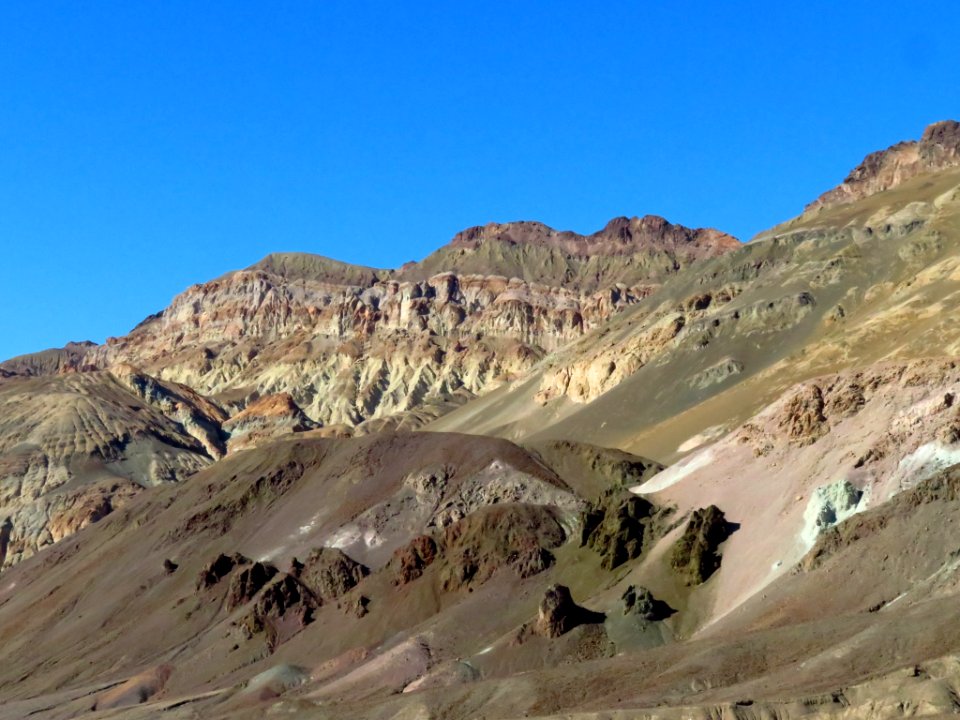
(696, 555)
(638, 602)
(620, 526)
(409, 561)
(328, 573)
(264, 420)
(558, 614)
(469, 551)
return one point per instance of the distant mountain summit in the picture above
(632, 252)
(620, 236)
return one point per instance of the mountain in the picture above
(302, 343)
(655, 473)
(844, 287)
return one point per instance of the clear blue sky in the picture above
(147, 146)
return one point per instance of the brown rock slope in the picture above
(937, 149)
(276, 604)
(298, 554)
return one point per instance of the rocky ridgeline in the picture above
(937, 149)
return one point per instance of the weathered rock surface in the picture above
(409, 561)
(265, 419)
(640, 603)
(350, 344)
(246, 582)
(513, 536)
(328, 573)
(469, 551)
(75, 447)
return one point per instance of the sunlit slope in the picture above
(853, 284)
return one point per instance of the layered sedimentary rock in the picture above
(75, 447)
(352, 344)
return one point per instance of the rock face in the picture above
(559, 614)
(409, 561)
(469, 551)
(696, 555)
(519, 537)
(247, 582)
(277, 604)
(638, 602)
(219, 568)
(937, 149)
(265, 419)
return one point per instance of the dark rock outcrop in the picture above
(511, 535)
(514, 535)
(641, 604)
(329, 573)
(247, 582)
(618, 527)
(408, 562)
(281, 610)
(695, 556)
(219, 568)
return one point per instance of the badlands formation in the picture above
(649, 472)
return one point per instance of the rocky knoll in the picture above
(937, 149)
(351, 344)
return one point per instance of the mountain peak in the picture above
(937, 149)
(620, 236)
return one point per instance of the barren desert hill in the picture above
(735, 495)
(450, 576)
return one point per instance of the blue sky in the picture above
(147, 146)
